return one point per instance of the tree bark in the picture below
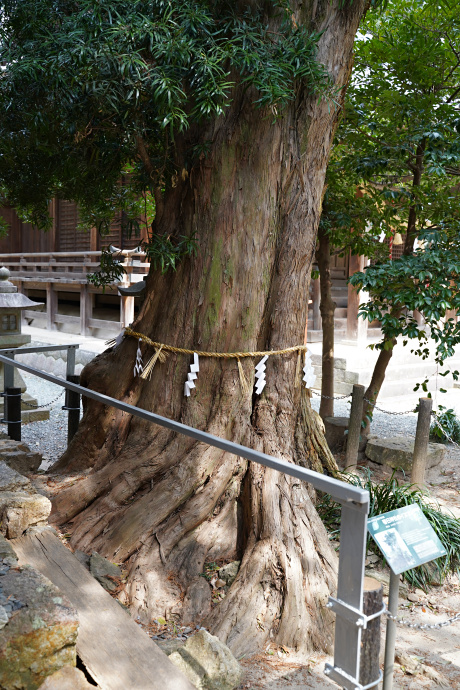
(164, 504)
(327, 308)
(378, 377)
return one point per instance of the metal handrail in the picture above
(355, 508)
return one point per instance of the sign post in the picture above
(407, 540)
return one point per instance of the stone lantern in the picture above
(12, 303)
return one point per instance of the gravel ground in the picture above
(383, 424)
(48, 437)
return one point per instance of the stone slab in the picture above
(22, 461)
(67, 678)
(115, 651)
(397, 452)
(40, 637)
(11, 480)
(29, 416)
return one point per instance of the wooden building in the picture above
(52, 267)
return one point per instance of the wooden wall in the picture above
(63, 236)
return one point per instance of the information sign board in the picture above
(406, 538)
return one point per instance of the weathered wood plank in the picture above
(116, 652)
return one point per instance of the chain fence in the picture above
(374, 405)
(422, 626)
(404, 621)
(443, 430)
(40, 407)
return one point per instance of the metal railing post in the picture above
(70, 366)
(8, 373)
(13, 412)
(349, 602)
(72, 404)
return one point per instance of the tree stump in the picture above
(370, 641)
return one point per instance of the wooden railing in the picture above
(67, 267)
(50, 270)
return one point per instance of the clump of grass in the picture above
(445, 426)
(390, 495)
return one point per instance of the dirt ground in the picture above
(427, 658)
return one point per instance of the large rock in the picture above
(397, 452)
(104, 571)
(11, 480)
(229, 572)
(208, 663)
(67, 678)
(19, 456)
(41, 633)
(7, 553)
(19, 510)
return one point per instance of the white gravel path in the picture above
(48, 437)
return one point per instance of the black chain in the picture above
(387, 411)
(38, 407)
(332, 397)
(342, 397)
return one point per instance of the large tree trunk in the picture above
(164, 504)
(327, 307)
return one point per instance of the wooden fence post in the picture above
(370, 641)
(354, 426)
(422, 436)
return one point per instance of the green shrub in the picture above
(445, 426)
(390, 495)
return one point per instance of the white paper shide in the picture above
(309, 375)
(192, 375)
(260, 381)
(138, 366)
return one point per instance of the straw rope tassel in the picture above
(243, 380)
(298, 380)
(157, 355)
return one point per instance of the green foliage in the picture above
(399, 143)
(446, 426)
(352, 216)
(427, 281)
(390, 495)
(91, 87)
(165, 251)
(110, 271)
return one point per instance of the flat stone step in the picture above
(398, 451)
(115, 650)
(339, 273)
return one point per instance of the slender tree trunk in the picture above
(163, 504)
(327, 307)
(378, 376)
(383, 360)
